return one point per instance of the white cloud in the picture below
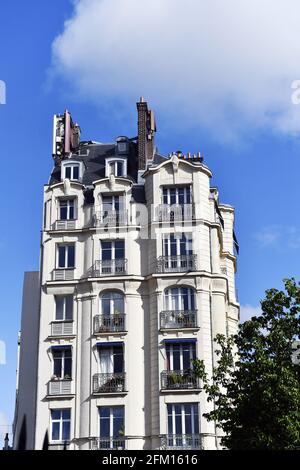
(248, 311)
(280, 236)
(227, 66)
(2, 353)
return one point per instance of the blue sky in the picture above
(230, 103)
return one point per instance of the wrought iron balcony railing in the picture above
(182, 442)
(112, 267)
(61, 328)
(109, 383)
(60, 387)
(109, 323)
(107, 443)
(109, 218)
(179, 379)
(175, 212)
(178, 319)
(177, 264)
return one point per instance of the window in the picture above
(176, 195)
(67, 209)
(66, 256)
(71, 171)
(178, 246)
(179, 298)
(116, 167)
(112, 303)
(112, 250)
(180, 355)
(112, 203)
(183, 419)
(60, 425)
(62, 363)
(111, 359)
(64, 307)
(111, 427)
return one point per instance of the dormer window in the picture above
(71, 170)
(116, 167)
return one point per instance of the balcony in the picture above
(175, 212)
(62, 328)
(109, 323)
(63, 274)
(107, 443)
(176, 264)
(182, 442)
(179, 380)
(113, 267)
(178, 319)
(60, 387)
(109, 218)
(65, 224)
(109, 383)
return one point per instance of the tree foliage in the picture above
(255, 384)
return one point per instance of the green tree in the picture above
(255, 384)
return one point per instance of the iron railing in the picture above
(61, 328)
(178, 319)
(106, 443)
(182, 442)
(175, 212)
(179, 379)
(60, 387)
(113, 267)
(110, 323)
(109, 218)
(109, 382)
(176, 264)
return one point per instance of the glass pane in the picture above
(105, 426)
(173, 243)
(75, 172)
(66, 430)
(176, 358)
(118, 360)
(55, 431)
(186, 357)
(165, 196)
(120, 171)
(66, 414)
(178, 424)
(106, 250)
(57, 366)
(118, 305)
(118, 412)
(119, 249)
(72, 209)
(105, 306)
(69, 307)
(59, 308)
(61, 256)
(63, 210)
(68, 368)
(55, 414)
(104, 412)
(118, 427)
(188, 424)
(188, 195)
(68, 172)
(71, 256)
(172, 196)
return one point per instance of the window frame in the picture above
(64, 308)
(67, 201)
(61, 420)
(170, 354)
(194, 413)
(63, 359)
(66, 255)
(71, 164)
(171, 298)
(116, 160)
(112, 309)
(111, 421)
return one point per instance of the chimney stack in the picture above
(146, 132)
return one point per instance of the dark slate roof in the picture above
(95, 162)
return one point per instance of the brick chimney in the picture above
(146, 132)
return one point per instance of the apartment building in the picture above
(137, 276)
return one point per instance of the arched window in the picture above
(179, 298)
(112, 303)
